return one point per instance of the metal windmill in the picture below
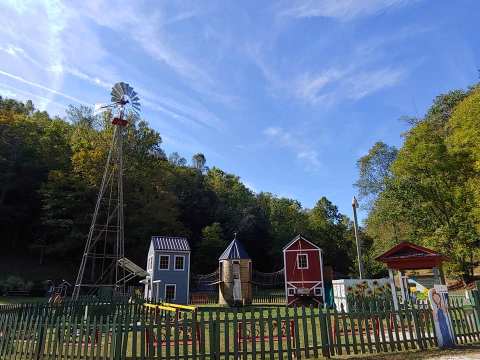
(100, 266)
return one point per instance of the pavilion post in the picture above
(437, 276)
(394, 289)
(403, 286)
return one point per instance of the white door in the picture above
(237, 284)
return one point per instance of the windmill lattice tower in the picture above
(105, 246)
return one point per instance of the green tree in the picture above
(427, 199)
(374, 172)
(210, 248)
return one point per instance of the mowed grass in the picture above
(5, 300)
(459, 352)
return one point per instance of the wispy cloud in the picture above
(42, 87)
(338, 84)
(146, 27)
(303, 151)
(77, 50)
(41, 102)
(343, 10)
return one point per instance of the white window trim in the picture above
(318, 289)
(298, 262)
(175, 263)
(160, 261)
(291, 291)
(174, 292)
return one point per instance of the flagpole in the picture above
(359, 247)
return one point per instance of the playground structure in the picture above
(303, 263)
(168, 270)
(238, 283)
(235, 275)
(409, 256)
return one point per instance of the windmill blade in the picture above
(125, 96)
(117, 92)
(101, 108)
(124, 88)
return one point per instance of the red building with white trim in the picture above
(303, 271)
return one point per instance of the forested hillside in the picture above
(428, 191)
(50, 169)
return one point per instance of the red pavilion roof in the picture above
(407, 255)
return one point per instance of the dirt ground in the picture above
(461, 353)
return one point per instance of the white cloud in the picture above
(350, 83)
(146, 27)
(65, 42)
(303, 151)
(249, 185)
(338, 9)
(41, 102)
(42, 87)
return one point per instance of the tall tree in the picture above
(374, 172)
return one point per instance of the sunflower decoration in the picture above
(369, 292)
(375, 283)
(349, 290)
(378, 290)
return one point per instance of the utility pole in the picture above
(359, 246)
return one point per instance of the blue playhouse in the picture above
(168, 268)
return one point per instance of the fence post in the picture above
(41, 335)
(324, 333)
(476, 302)
(418, 331)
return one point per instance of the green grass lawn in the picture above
(21, 300)
(460, 352)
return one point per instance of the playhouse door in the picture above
(237, 284)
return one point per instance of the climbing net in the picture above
(268, 280)
(205, 282)
(261, 280)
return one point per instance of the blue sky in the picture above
(287, 95)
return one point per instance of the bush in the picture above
(13, 283)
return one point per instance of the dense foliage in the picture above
(428, 192)
(50, 169)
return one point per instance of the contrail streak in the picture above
(18, 78)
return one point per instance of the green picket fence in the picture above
(116, 329)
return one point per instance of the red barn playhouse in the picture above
(303, 271)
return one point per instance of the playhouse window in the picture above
(164, 263)
(291, 291)
(318, 291)
(170, 290)
(302, 261)
(179, 262)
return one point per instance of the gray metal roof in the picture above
(170, 243)
(234, 251)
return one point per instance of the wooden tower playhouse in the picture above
(235, 275)
(303, 272)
